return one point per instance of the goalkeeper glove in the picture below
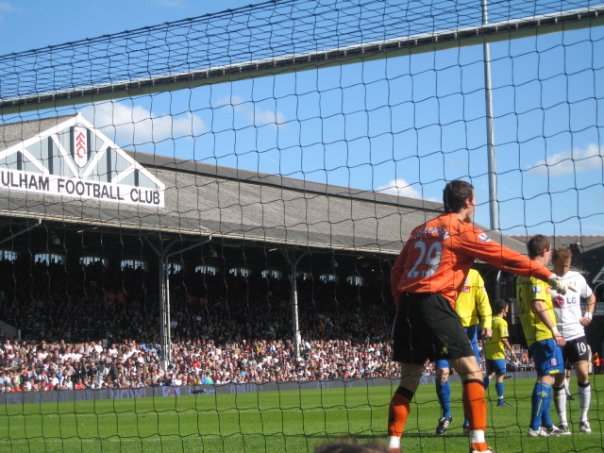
(559, 285)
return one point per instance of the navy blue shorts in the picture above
(427, 328)
(472, 333)
(575, 351)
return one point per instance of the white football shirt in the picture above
(568, 306)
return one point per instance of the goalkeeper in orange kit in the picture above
(425, 282)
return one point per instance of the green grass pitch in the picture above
(292, 421)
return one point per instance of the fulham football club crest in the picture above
(79, 141)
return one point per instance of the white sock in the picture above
(584, 402)
(566, 386)
(560, 402)
(477, 436)
(394, 442)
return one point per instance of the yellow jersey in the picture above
(472, 304)
(493, 347)
(529, 290)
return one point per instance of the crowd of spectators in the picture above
(99, 329)
(27, 365)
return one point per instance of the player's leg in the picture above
(548, 360)
(412, 345)
(552, 366)
(560, 392)
(584, 392)
(560, 400)
(400, 404)
(569, 395)
(443, 392)
(584, 388)
(546, 418)
(452, 338)
(500, 370)
(539, 405)
(474, 400)
(472, 333)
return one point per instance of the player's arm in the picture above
(507, 346)
(589, 310)
(540, 310)
(474, 242)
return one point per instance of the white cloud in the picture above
(399, 187)
(135, 125)
(265, 116)
(8, 8)
(253, 113)
(575, 161)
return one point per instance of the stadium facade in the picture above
(62, 179)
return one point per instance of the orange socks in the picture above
(475, 404)
(399, 411)
(475, 407)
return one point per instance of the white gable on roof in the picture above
(74, 159)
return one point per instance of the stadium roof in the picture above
(583, 243)
(206, 200)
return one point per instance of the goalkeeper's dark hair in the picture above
(455, 195)
(537, 245)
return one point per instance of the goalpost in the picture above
(261, 168)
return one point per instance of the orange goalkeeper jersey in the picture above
(439, 254)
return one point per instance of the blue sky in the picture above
(32, 24)
(403, 125)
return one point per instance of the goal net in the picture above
(199, 218)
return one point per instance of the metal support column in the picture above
(293, 296)
(488, 93)
(295, 317)
(164, 294)
(164, 312)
